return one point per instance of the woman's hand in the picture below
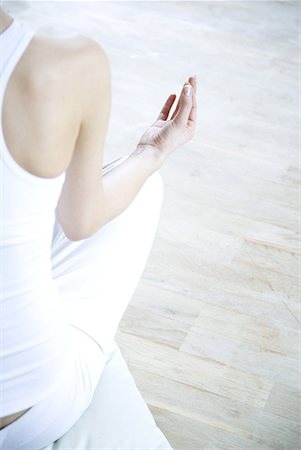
(165, 135)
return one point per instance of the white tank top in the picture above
(33, 336)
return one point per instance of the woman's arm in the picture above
(123, 182)
(88, 201)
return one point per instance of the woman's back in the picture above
(32, 346)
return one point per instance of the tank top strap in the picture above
(13, 42)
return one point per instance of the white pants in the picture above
(96, 278)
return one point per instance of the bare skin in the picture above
(49, 119)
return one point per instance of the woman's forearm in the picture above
(123, 182)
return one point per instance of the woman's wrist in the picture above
(122, 183)
(150, 155)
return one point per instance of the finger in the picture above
(185, 104)
(193, 111)
(167, 107)
(175, 111)
(192, 81)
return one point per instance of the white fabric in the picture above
(120, 251)
(95, 279)
(33, 338)
(118, 417)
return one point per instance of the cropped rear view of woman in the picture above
(75, 234)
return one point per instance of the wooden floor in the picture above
(211, 334)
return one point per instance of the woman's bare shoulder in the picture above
(50, 80)
(61, 57)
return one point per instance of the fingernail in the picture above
(187, 89)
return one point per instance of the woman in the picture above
(74, 241)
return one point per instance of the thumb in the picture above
(184, 105)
